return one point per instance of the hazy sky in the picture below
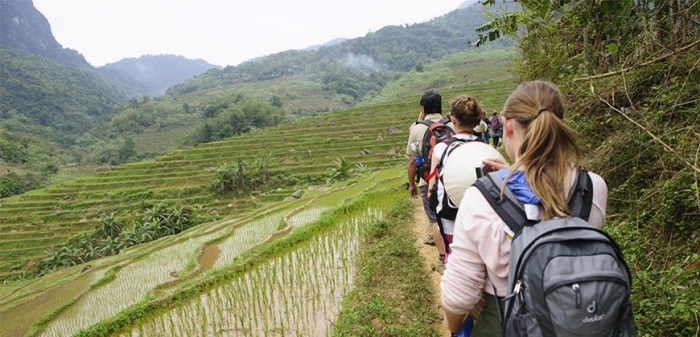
(223, 32)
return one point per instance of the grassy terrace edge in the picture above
(391, 288)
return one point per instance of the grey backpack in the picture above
(566, 278)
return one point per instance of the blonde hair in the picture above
(549, 147)
(467, 111)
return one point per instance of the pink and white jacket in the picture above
(480, 250)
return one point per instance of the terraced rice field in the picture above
(303, 151)
(207, 271)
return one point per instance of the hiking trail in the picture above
(430, 256)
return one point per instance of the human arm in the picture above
(454, 321)
(411, 168)
(479, 258)
(600, 201)
(495, 163)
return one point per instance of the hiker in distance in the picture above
(495, 128)
(431, 129)
(545, 159)
(465, 114)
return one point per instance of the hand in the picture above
(413, 191)
(495, 163)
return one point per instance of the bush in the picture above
(9, 185)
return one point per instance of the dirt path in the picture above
(430, 256)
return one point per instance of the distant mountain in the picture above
(329, 43)
(24, 28)
(360, 66)
(153, 74)
(48, 94)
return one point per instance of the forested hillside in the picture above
(359, 66)
(49, 98)
(296, 83)
(152, 74)
(41, 96)
(630, 72)
(45, 108)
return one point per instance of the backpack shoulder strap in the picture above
(425, 145)
(511, 209)
(508, 208)
(581, 195)
(427, 122)
(448, 150)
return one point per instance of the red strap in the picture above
(433, 174)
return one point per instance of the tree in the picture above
(9, 185)
(126, 150)
(276, 101)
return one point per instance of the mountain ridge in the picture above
(23, 27)
(153, 74)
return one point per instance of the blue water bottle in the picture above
(418, 160)
(466, 329)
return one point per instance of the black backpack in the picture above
(566, 278)
(437, 132)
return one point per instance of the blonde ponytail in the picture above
(549, 147)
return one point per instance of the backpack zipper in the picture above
(553, 287)
(575, 287)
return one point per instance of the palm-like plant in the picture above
(341, 171)
(223, 180)
(239, 176)
(108, 226)
(180, 219)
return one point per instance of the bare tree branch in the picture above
(692, 166)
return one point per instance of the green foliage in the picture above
(51, 100)
(276, 101)
(9, 185)
(112, 235)
(341, 171)
(13, 151)
(234, 116)
(14, 184)
(243, 177)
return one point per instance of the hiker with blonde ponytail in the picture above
(545, 168)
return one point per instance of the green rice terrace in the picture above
(257, 235)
